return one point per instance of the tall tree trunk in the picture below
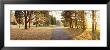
(19, 22)
(76, 20)
(83, 18)
(93, 24)
(70, 23)
(36, 22)
(29, 18)
(25, 19)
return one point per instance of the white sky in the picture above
(56, 14)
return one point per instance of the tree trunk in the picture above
(70, 23)
(29, 18)
(19, 22)
(25, 19)
(93, 24)
(83, 18)
(36, 22)
(76, 20)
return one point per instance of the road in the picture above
(59, 34)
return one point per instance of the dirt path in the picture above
(59, 34)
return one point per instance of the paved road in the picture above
(59, 34)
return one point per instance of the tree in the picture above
(42, 17)
(19, 16)
(30, 17)
(25, 15)
(82, 20)
(54, 19)
(71, 17)
(12, 18)
(52, 22)
(84, 24)
(93, 24)
(67, 17)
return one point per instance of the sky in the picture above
(56, 14)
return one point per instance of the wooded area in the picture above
(73, 19)
(38, 18)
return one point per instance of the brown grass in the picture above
(31, 34)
